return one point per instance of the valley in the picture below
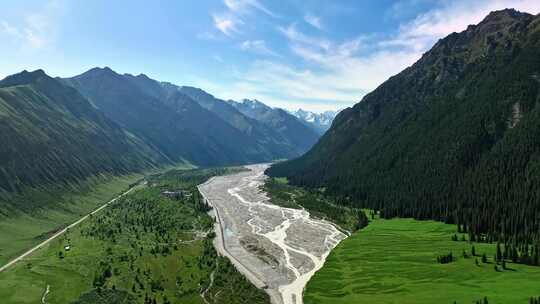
(354, 152)
(144, 247)
(277, 248)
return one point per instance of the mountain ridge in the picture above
(289, 126)
(453, 138)
(320, 122)
(57, 137)
(186, 123)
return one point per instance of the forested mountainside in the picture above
(284, 144)
(320, 122)
(53, 135)
(455, 137)
(182, 128)
(279, 120)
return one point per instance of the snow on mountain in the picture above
(320, 122)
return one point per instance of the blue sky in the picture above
(317, 55)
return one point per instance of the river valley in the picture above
(276, 248)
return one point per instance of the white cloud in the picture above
(37, 29)
(335, 74)
(243, 6)
(313, 21)
(227, 24)
(258, 47)
(425, 29)
(338, 73)
(229, 21)
(10, 30)
(298, 37)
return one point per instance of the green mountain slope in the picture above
(264, 136)
(57, 137)
(455, 137)
(173, 122)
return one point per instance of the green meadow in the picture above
(395, 261)
(146, 247)
(21, 230)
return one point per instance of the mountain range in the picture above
(56, 136)
(64, 130)
(320, 122)
(455, 137)
(280, 121)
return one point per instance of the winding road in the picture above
(276, 248)
(59, 233)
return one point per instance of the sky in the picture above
(315, 55)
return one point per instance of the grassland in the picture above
(144, 248)
(395, 261)
(21, 230)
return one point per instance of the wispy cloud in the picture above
(258, 47)
(244, 6)
(227, 24)
(425, 29)
(296, 36)
(313, 21)
(331, 74)
(229, 21)
(37, 29)
(336, 74)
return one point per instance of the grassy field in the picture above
(21, 230)
(143, 248)
(395, 261)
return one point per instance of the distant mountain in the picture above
(264, 135)
(52, 135)
(318, 122)
(186, 124)
(279, 120)
(455, 137)
(62, 131)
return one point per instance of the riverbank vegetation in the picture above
(147, 247)
(316, 202)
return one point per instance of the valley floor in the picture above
(146, 247)
(277, 248)
(395, 261)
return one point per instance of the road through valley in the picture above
(276, 248)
